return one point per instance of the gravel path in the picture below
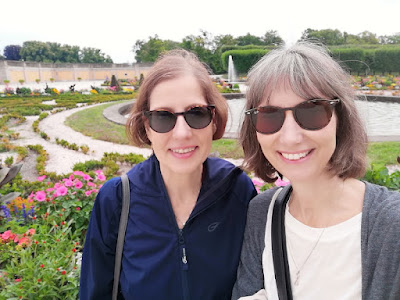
(61, 160)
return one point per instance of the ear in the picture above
(214, 127)
(147, 128)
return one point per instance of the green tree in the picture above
(390, 39)
(325, 36)
(222, 40)
(271, 37)
(11, 52)
(368, 37)
(249, 39)
(93, 55)
(149, 51)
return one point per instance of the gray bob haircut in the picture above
(310, 72)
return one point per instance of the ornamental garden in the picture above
(43, 222)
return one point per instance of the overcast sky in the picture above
(114, 26)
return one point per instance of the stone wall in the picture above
(30, 71)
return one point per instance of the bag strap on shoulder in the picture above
(278, 240)
(121, 234)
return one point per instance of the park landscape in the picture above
(45, 206)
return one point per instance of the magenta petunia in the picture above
(78, 184)
(91, 184)
(87, 193)
(41, 178)
(61, 191)
(280, 182)
(40, 196)
(101, 177)
(87, 177)
(68, 182)
(79, 173)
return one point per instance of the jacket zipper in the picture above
(185, 266)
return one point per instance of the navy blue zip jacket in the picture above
(160, 261)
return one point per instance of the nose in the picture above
(181, 130)
(291, 132)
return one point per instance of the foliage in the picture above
(150, 50)
(244, 59)
(55, 53)
(41, 237)
(11, 52)
(379, 174)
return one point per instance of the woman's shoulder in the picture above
(380, 202)
(258, 207)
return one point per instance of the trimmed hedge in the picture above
(244, 59)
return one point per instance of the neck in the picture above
(326, 201)
(183, 191)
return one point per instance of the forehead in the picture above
(177, 93)
(288, 93)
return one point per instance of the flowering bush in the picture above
(41, 237)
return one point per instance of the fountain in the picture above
(232, 76)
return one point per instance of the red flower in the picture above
(74, 250)
(42, 265)
(39, 280)
(63, 272)
(78, 208)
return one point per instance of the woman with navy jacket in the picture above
(187, 211)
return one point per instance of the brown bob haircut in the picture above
(172, 65)
(310, 72)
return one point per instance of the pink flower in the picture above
(79, 173)
(40, 196)
(78, 184)
(257, 181)
(31, 231)
(78, 208)
(68, 182)
(49, 189)
(41, 178)
(101, 177)
(18, 280)
(24, 241)
(87, 193)
(280, 182)
(71, 177)
(87, 177)
(91, 184)
(61, 191)
(6, 235)
(98, 172)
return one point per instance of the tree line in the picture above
(49, 52)
(205, 45)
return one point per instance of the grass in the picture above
(91, 122)
(383, 153)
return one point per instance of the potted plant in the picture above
(52, 79)
(21, 81)
(37, 80)
(6, 82)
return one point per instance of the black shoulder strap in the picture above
(121, 233)
(278, 240)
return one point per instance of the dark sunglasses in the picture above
(197, 117)
(312, 114)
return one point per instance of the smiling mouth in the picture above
(183, 151)
(295, 156)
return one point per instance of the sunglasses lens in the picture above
(161, 121)
(198, 117)
(313, 115)
(268, 120)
